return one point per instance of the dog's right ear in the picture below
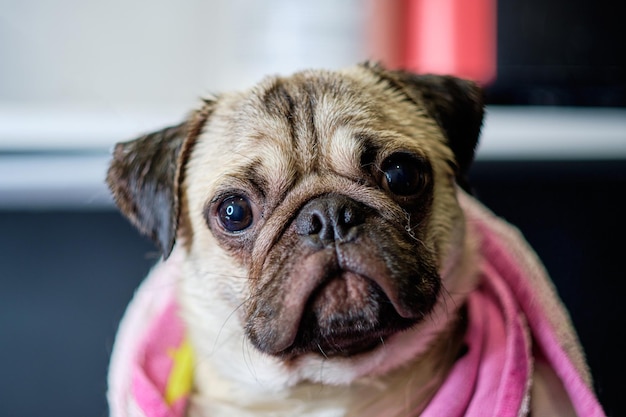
(145, 176)
(456, 104)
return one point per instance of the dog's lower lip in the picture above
(349, 345)
(343, 345)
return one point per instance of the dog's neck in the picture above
(403, 392)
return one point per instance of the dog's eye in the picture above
(404, 174)
(235, 213)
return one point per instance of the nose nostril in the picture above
(315, 224)
(347, 218)
(311, 223)
(350, 216)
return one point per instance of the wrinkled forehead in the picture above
(286, 128)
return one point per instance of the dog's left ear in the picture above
(456, 104)
(145, 176)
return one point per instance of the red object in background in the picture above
(455, 37)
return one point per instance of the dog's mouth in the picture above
(347, 315)
(342, 302)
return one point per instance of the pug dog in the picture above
(325, 257)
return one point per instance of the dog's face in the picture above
(317, 214)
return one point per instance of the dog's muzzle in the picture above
(356, 281)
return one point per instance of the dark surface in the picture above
(560, 52)
(65, 280)
(66, 277)
(574, 216)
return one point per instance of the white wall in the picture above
(83, 73)
(159, 52)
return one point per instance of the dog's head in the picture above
(317, 213)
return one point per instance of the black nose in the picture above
(330, 218)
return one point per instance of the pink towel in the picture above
(515, 320)
(516, 324)
(146, 351)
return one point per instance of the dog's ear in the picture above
(145, 176)
(456, 104)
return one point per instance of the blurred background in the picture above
(76, 76)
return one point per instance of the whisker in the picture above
(322, 351)
(219, 333)
(247, 358)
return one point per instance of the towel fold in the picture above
(520, 341)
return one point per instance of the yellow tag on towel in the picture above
(180, 380)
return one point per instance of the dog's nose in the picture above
(329, 219)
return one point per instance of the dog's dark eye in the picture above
(404, 174)
(235, 213)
